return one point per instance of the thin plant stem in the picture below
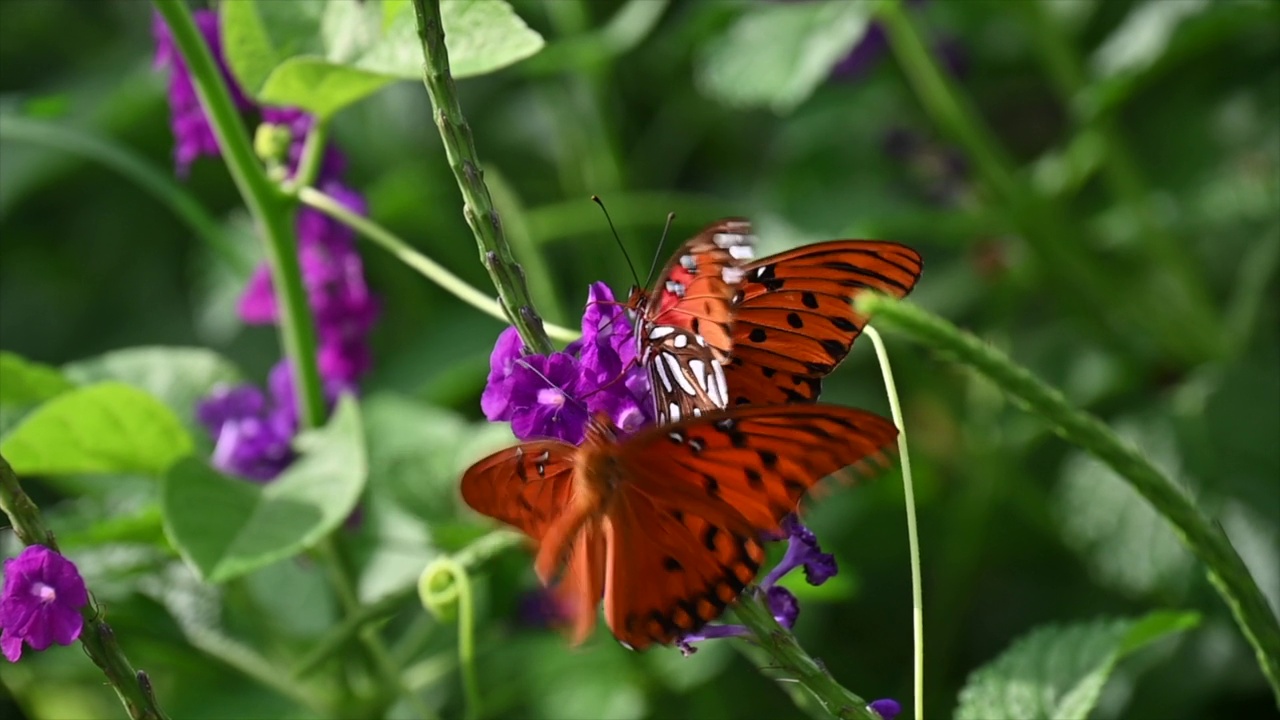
(455, 592)
(1227, 571)
(753, 611)
(429, 268)
(270, 207)
(477, 206)
(913, 535)
(312, 159)
(134, 167)
(96, 637)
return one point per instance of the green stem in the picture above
(753, 612)
(1228, 573)
(1106, 293)
(368, 636)
(99, 641)
(133, 166)
(477, 207)
(429, 268)
(270, 207)
(913, 535)
(312, 155)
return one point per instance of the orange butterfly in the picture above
(666, 525)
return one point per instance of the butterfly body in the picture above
(684, 325)
(665, 526)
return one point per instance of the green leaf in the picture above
(102, 428)
(24, 383)
(225, 527)
(776, 55)
(417, 452)
(322, 56)
(1058, 671)
(176, 376)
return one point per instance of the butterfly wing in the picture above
(530, 487)
(684, 375)
(683, 533)
(794, 319)
(527, 486)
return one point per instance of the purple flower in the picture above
(496, 399)
(802, 549)
(886, 708)
(542, 608)
(41, 601)
(253, 432)
(192, 134)
(544, 398)
(552, 396)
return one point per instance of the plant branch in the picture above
(429, 268)
(269, 206)
(99, 641)
(1228, 573)
(753, 612)
(477, 206)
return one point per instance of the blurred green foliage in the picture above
(1121, 242)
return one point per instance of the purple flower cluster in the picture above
(252, 431)
(553, 396)
(41, 601)
(192, 133)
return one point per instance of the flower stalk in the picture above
(753, 612)
(477, 207)
(1227, 571)
(99, 641)
(270, 207)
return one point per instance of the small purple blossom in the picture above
(192, 134)
(41, 601)
(553, 396)
(802, 550)
(253, 431)
(886, 708)
(544, 398)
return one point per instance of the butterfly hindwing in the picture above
(527, 486)
(794, 319)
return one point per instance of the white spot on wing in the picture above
(699, 370)
(673, 412)
(674, 364)
(719, 390)
(697, 411)
(741, 252)
(681, 340)
(662, 373)
(688, 262)
(731, 275)
(675, 288)
(660, 331)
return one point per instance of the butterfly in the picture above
(665, 526)
(757, 332)
(684, 326)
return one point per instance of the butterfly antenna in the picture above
(596, 199)
(670, 216)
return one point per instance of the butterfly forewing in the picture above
(794, 319)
